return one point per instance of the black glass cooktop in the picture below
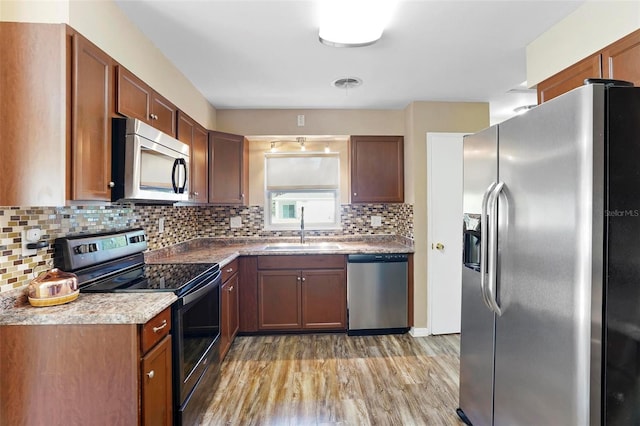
(178, 278)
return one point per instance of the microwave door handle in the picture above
(173, 175)
(184, 182)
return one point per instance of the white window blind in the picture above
(296, 171)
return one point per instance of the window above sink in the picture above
(297, 180)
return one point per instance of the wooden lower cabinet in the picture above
(94, 374)
(157, 403)
(299, 293)
(230, 313)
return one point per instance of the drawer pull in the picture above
(160, 327)
(151, 374)
(229, 270)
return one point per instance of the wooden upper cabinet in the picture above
(92, 108)
(137, 100)
(377, 169)
(163, 114)
(228, 169)
(621, 60)
(570, 78)
(134, 96)
(190, 132)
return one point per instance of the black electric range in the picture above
(113, 262)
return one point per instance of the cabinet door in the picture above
(190, 132)
(377, 169)
(230, 311)
(279, 300)
(324, 299)
(621, 60)
(157, 402)
(133, 96)
(91, 124)
(163, 114)
(234, 307)
(225, 327)
(200, 164)
(570, 78)
(228, 171)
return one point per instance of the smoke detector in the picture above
(347, 83)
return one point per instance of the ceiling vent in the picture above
(347, 83)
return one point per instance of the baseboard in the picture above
(419, 332)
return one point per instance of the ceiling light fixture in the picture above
(353, 23)
(523, 109)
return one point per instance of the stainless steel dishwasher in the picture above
(377, 293)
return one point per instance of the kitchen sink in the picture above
(302, 247)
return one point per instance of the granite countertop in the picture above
(224, 251)
(90, 308)
(138, 308)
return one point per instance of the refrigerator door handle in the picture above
(484, 223)
(492, 250)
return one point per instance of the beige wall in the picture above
(423, 117)
(102, 22)
(591, 27)
(317, 122)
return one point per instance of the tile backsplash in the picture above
(181, 223)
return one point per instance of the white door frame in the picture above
(430, 233)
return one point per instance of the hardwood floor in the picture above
(328, 379)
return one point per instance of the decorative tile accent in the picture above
(181, 223)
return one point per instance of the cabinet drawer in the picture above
(155, 329)
(229, 270)
(323, 261)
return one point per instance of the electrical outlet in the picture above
(301, 120)
(236, 222)
(161, 225)
(30, 236)
(376, 221)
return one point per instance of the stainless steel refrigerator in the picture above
(551, 264)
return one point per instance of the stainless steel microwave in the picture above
(147, 164)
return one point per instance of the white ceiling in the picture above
(266, 53)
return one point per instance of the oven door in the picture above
(196, 329)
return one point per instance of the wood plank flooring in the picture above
(329, 379)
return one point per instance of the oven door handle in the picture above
(200, 291)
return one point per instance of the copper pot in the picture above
(53, 287)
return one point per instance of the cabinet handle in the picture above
(160, 327)
(111, 184)
(298, 278)
(196, 193)
(229, 270)
(304, 279)
(151, 374)
(230, 289)
(355, 194)
(242, 195)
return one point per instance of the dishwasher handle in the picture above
(378, 258)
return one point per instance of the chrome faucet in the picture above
(301, 225)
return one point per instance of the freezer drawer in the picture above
(377, 293)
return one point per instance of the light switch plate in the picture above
(376, 221)
(236, 222)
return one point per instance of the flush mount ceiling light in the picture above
(353, 23)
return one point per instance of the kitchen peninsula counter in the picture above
(224, 251)
(89, 308)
